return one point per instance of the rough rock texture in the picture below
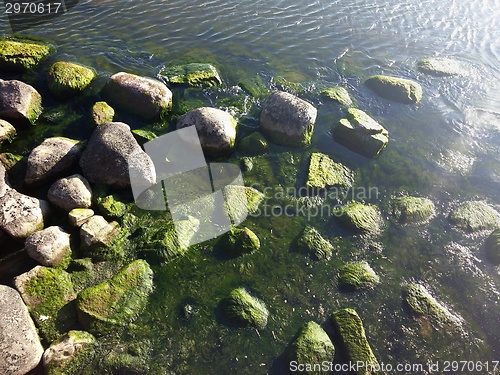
(20, 103)
(232, 195)
(473, 216)
(360, 133)
(360, 217)
(96, 231)
(49, 247)
(492, 247)
(441, 66)
(311, 347)
(241, 309)
(357, 276)
(144, 97)
(397, 89)
(239, 241)
(193, 74)
(324, 172)
(118, 301)
(4, 183)
(253, 144)
(339, 95)
(7, 131)
(351, 333)
(19, 55)
(101, 113)
(312, 242)
(216, 129)
(21, 215)
(69, 355)
(288, 120)
(67, 79)
(50, 159)
(70, 192)
(412, 209)
(20, 347)
(79, 216)
(109, 153)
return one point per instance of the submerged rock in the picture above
(412, 209)
(7, 131)
(440, 66)
(338, 94)
(193, 74)
(239, 241)
(20, 347)
(312, 242)
(253, 144)
(360, 133)
(20, 103)
(288, 120)
(360, 217)
(349, 329)
(357, 276)
(397, 89)
(18, 54)
(233, 194)
(492, 247)
(324, 172)
(50, 247)
(66, 79)
(114, 303)
(241, 309)
(70, 192)
(473, 216)
(101, 113)
(311, 348)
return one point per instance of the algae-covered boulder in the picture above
(111, 207)
(18, 55)
(492, 247)
(50, 247)
(114, 303)
(70, 355)
(66, 79)
(101, 113)
(70, 193)
(412, 209)
(397, 89)
(361, 133)
(233, 195)
(253, 144)
(20, 103)
(357, 276)
(360, 217)
(324, 172)
(473, 216)
(239, 241)
(288, 120)
(193, 74)
(312, 242)
(441, 66)
(310, 349)
(338, 94)
(7, 131)
(351, 333)
(242, 309)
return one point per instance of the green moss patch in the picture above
(357, 276)
(312, 242)
(67, 79)
(253, 144)
(473, 216)
(111, 208)
(18, 55)
(338, 94)
(241, 309)
(412, 209)
(324, 172)
(193, 74)
(239, 241)
(101, 113)
(397, 89)
(360, 217)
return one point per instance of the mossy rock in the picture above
(412, 209)
(338, 94)
(357, 276)
(193, 74)
(311, 348)
(86, 273)
(233, 196)
(144, 135)
(474, 216)
(441, 66)
(101, 113)
(397, 89)
(351, 333)
(68, 79)
(239, 241)
(111, 208)
(360, 217)
(10, 160)
(312, 242)
(18, 55)
(253, 144)
(242, 309)
(324, 172)
(255, 87)
(492, 247)
(114, 303)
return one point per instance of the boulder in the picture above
(66, 79)
(357, 276)
(324, 172)
(144, 97)
(216, 129)
(233, 195)
(441, 66)
(22, 215)
(18, 55)
(412, 209)
(79, 216)
(49, 247)
(101, 113)
(474, 216)
(96, 231)
(360, 133)
(70, 192)
(351, 333)
(288, 120)
(51, 159)
(397, 89)
(109, 154)
(193, 74)
(20, 347)
(339, 95)
(7, 131)
(242, 309)
(114, 303)
(20, 103)
(111, 208)
(311, 348)
(492, 247)
(312, 242)
(4, 183)
(240, 241)
(253, 144)
(360, 217)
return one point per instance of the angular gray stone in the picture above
(51, 158)
(20, 103)
(20, 347)
(7, 131)
(71, 192)
(79, 216)
(97, 231)
(49, 247)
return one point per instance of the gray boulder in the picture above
(49, 247)
(7, 131)
(20, 103)
(20, 347)
(288, 120)
(70, 192)
(144, 97)
(4, 184)
(52, 158)
(216, 128)
(108, 155)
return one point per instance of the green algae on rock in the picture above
(312, 242)
(111, 208)
(324, 172)
(397, 89)
(21, 54)
(253, 144)
(101, 113)
(192, 74)
(441, 66)
(68, 79)
(239, 241)
(408, 209)
(360, 217)
(114, 303)
(492, 247)
(357, 276)
(7, 131)
(311, 348)
(473, 216)
(360, 133)
(236, 206)
(242, 309)
(338, 94)
(351, 333)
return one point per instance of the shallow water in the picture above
(445, 148)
